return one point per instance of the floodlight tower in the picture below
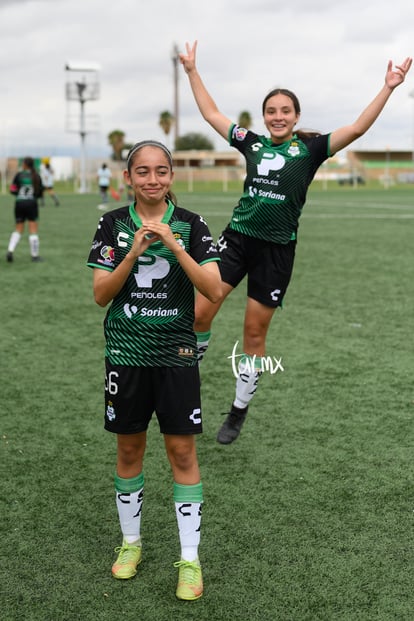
(175, 59)
(83, 87)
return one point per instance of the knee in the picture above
(201, 324)
(204, 313)
(182, 457)
(128, 455)
(202, 319)
(254, 335)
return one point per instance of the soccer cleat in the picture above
(129, 558)
(190, 580)
(37, 259)
(230, 429)
(9, 257)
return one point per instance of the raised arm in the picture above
(206, 104)
(342, 137)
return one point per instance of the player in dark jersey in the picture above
(27, 187)
(261, 237)
(147, 259)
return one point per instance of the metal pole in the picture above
(82, 187)
(175, 61)
(412, 145)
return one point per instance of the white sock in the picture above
(34, 245)
(246, 383)
(14, 240)
(188, 513)
(203, 339)
(129, 505)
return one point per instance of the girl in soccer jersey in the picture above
(27, 188)
(147, 259)
(261, 237)
(48, 177)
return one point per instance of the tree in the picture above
(245, 119)
(116, 140)
(193, 141)
(166, 122)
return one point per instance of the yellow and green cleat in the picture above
(129, 558)
(190, 580)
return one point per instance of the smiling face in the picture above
(280, 117)
(149, 174)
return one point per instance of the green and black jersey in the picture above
(150, 321)
(277, 180)
(26, 187)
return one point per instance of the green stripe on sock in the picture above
(247, 359)
(188, 493)
(203, 336)
(128, 486)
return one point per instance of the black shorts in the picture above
(26, 210)
(268, 265)
(133, 394)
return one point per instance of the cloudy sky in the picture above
(333, 54)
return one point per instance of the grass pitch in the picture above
(307, 517)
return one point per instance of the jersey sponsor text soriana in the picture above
(150, 322)
(276, 183)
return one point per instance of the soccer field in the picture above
(307, 517)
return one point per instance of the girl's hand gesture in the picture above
(395, 77)
(142, 241)
(188, 60)
(160, 231)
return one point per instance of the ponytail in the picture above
(36, 180)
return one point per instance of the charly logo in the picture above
(151, 268)
(196, 416)
(255, 363)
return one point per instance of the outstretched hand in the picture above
(395, 77)
(188, 60)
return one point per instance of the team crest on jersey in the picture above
(293, 149)
(179, 240)
(239, 133)
(110, 411)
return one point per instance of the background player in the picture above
(27, 187)
(104, 181)
(48, 179)
(147, 259)
(261, 238)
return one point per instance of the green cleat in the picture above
(190, 580)
(129, 558)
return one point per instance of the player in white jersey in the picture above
(260, 239)
(147, 258)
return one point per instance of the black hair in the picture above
(36, 181)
